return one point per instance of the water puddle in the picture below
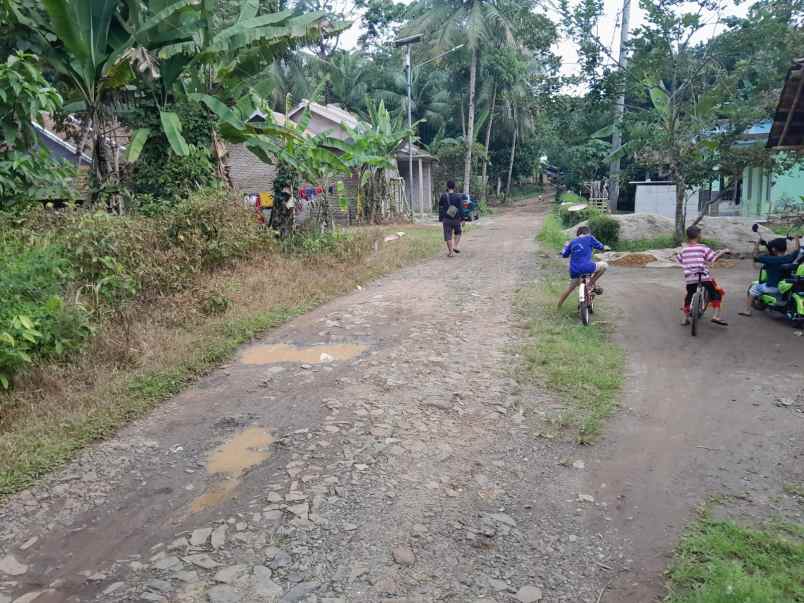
(231, 460)
(317, 354)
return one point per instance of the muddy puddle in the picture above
(231, 460)
(317, 354)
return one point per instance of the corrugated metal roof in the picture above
(59, 141)
(331, 112)
(788, 122)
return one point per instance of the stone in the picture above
(274, 497)
(218, 538)
(110, 589)
(573, 538)
(503, 518)
(200, 536)
(273, 515)
(498, 585)
(784, 402)
(528, 594)
(231, 574)
(349, 527)
(11, 567)
(403, 555)
(178, 545)
(280, 559)
(223, 594)
(29, 543)
(166, 563)
(264, 586)
(163, 586)
(300, 592)
(299, 510)
(4, 598)
(579, 464)
(586, 498)
(31, 597)
(153, 597)
(187, 577)
(203, 561)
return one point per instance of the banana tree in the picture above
(204, 63)
(373, 151)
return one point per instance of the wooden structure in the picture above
(597, 191)
(787, 131)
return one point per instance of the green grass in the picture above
(552, 234)
(794, 490)
(570, 197)
(579, 363)
(721, 562)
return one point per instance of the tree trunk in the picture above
(484, 177)
(513, 154)
(470, 123)
(681, 190)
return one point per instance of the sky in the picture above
(608, 29)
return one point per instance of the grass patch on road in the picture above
(719, 562)
(552, 234)
(581, 364)
(130, 368)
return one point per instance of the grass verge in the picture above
(552, 234)
(580, 364)
(137, 361)
(719, 562)
(663, 242)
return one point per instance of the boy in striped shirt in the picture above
(696, 257)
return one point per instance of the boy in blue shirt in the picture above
(579, 251)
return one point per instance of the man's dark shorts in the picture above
(450, 227)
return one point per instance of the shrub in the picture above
(571, 218)
(606, 229)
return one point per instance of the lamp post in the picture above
(407, 42)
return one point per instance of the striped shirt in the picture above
(694, 259)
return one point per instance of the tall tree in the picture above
(473, 22)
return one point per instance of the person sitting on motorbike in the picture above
(579, 250)
(773, 264)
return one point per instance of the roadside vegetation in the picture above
(719, 561)
(108, 315)
(580, 364)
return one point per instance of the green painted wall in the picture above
(761, 192)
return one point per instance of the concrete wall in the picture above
(660, 199)
(762, 193)
(421, 198)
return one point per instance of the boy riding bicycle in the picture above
(579, 250)
(695, 259)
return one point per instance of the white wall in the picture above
(660, 199)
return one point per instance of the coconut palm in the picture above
(473, 22)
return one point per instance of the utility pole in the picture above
(408, 42)
(619, 111)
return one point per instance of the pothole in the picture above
(231, 460)
(317, 354)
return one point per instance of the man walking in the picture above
(450, 215)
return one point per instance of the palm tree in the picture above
(473, 22)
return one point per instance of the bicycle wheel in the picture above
(585, 314)
(696, 309)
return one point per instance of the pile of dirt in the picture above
(634, 260)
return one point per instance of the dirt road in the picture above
(378, 449)
(702, 418)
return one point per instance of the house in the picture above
(61, 150)
(250, 176)
(420, 185)
(787, 131)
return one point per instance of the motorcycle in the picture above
(790, 299)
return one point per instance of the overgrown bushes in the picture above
(606, 229)
(63, 272)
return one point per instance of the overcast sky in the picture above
(608, 32)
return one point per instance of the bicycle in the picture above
(698, 304)
(586, 299)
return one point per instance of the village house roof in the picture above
(58, 146)
(418, 153)
(788, 122)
